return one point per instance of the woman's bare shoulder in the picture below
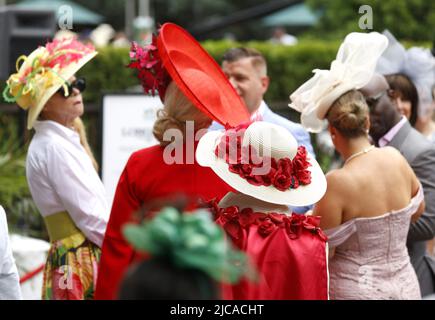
(393, 157)
(338, 180)
(390, 151)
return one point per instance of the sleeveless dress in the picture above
(371, 260)
(288, 251)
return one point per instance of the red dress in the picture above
(288, 251)
(145, 178)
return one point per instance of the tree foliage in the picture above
(406, 19)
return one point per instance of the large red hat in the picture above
(198, 76)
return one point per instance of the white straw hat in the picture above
(272, 142)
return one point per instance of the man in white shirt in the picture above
(9, 279)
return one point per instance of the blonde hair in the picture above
(176, 111)
(80, 128)
(349, 114)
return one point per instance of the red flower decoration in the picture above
(283, 174)
(65, 51)
(236, 222)
(266, 227)
(152, 73)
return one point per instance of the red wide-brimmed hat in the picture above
(175, 53)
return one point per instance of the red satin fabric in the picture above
(145, 178)
(288, 251)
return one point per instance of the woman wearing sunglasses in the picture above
(62, 180)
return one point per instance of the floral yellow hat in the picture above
(43, 72)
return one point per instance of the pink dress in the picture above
(371, 260)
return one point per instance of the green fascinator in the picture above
(190, 240)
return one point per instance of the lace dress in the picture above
(371, 260)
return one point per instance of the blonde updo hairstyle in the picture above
(349, 114)
(176, 111)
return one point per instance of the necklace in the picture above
(368, 149)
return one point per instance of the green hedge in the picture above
(288, 66)
(108, 72)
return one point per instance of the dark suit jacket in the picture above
(420, 154)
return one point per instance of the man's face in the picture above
(248, 81)
(383, 114)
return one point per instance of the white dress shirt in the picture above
(9, 279)
(259, 113)
(61, 177)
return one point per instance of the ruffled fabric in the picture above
(236, 222)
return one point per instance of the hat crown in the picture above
(270, 140)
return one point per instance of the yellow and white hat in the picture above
(43, 72)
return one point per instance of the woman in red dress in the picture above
(195, 92)
(263, 162)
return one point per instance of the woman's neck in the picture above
(65, 121)
(353, 146)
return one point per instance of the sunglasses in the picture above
(79, 84)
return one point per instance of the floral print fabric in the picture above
(71, 269)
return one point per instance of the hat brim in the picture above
(66, 73)
(301, 196)
(181, 54)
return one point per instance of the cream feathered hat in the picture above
(352, 69)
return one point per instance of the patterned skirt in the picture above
(71, 269)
